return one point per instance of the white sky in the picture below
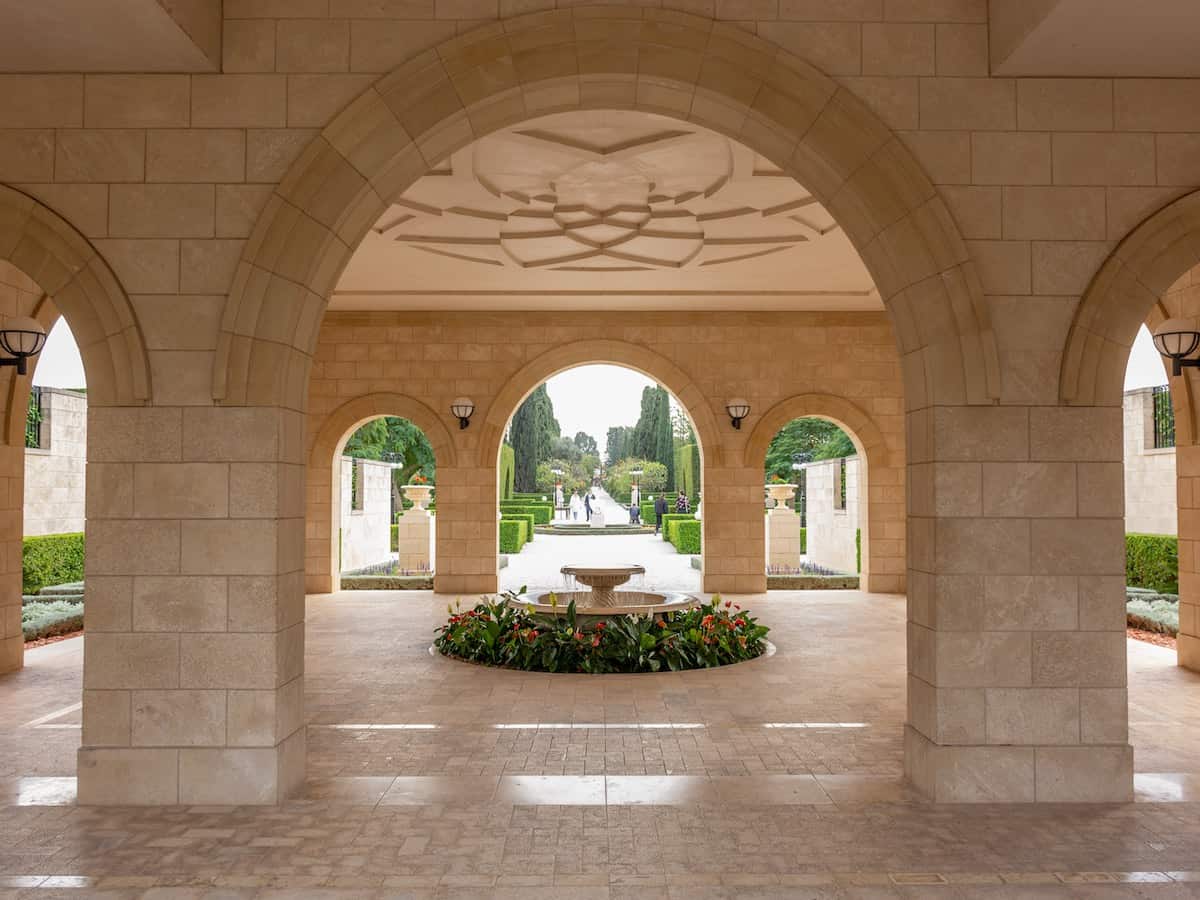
(588, 398)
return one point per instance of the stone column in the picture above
(1187, 467)
(12, 495)
(413, 534)
(733, 544)
(783, 536)
(1016, 631)
(194, 659)
(467, 534)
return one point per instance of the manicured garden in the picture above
(497, 634)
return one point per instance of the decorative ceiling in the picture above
(602, 208)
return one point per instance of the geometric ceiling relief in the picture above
(618, 203)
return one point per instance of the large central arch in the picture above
(660, 61)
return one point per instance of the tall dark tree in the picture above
(533, 433)
(586, 443)
(619, 444)
(645, 438)
(664, 438)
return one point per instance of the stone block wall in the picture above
(1150, 488)
(831, 530)
(703, 358)
(54, 473)
(366, 530)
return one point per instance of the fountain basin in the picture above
(627, 603)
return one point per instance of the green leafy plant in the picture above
(494, 633)
(685, 535)
(42, 620)
(512, 535)
(51, 559)
(1152, 561)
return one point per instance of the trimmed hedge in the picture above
(803, 540)
(395, 544)
(512, 535)
(687, 469)
(1152, 561)
(43, 620)
(858, 550)
(685, 535)
(51, 559)
(527, 518)
(508, 469)
(671, 519)
(542, 513)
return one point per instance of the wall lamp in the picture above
(1177, 339)
(463, 408)
(21, 338)
(738, 409)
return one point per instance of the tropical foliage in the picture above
(653, 479)
(493, 633)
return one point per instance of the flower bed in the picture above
(495, 634)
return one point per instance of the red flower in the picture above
(579, 635)
(706, 622)
(735, 606)
(740, 623)
(599, 626)
(596, 641)
(728, 603)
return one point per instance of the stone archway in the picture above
(322, 504)
(1127, 292)
(882, 480)
(77, 282)
(669, 63)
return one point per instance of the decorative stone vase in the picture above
(419, 494)
(781, 493)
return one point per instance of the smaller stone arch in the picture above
(328, 438)
(84, 289)
(601, 352)
(882, 482)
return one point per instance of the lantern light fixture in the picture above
(738, 409)
(21, 337)
(1178, 339)
(463, 408)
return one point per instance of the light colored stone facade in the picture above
(832, 526)
(498, 358)
(365, 526)
(54, 472)
(1150, 488)
(191, 228)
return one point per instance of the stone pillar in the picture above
(12, 480)
(1016, 631)
(194, 659)
(467, 532)
(783, 537)
(733, 544)
(413, 535)
(1187, 462)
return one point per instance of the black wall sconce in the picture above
(21, 338)
(463, 408)
(738, 409)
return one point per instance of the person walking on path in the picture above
(681, 503)
(660, 510)
(587, 506)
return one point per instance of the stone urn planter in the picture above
(419, 494)
(781, 493)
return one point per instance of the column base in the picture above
(12, 651)
(465, 585)
(1101, 773)
(192, 776)
(1187, 648)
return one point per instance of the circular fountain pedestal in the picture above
(604, 599)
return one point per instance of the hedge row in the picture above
(508, 467)
(542, 513)
(51, 559)
(1152, 561)
(512, 535)
(685, 535)
(43, 620)
(527, 518)
(687, 469)
(670, 520)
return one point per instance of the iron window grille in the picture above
(1164, 418)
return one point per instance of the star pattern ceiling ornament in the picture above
(607, 192)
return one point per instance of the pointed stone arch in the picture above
(883, 526)
(617, 57)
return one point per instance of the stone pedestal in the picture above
(783, 537)
(413, 533)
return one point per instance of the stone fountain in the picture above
(604, 598)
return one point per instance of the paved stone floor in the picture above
(430, 778)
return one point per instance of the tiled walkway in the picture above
(431, 778)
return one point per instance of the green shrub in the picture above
(1152, 561)
(527, 518)
(542, 512)
(498, 635)
(395, 545)
(1157, 614)
(51, 559)
(42, 620)
(670, 519)
(508, 467)
(803, 540)
(686, 535)
(646, 507)
(512, 535)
